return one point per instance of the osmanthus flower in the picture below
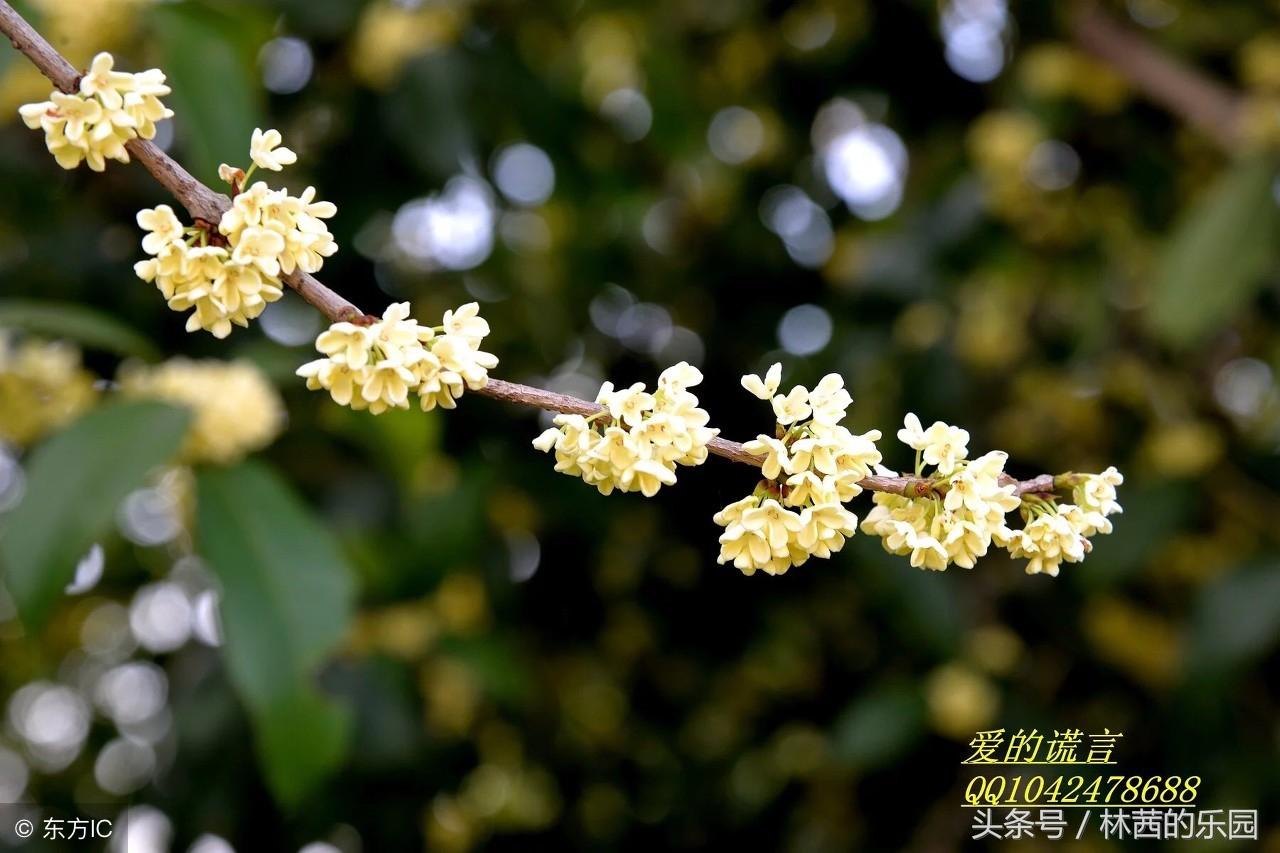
(93, 124)
(237, 411)
(968, 503)
(43, 386)
(1054, 533)
(378, 366)
(638, 438)
(941, 445)
(1050, 537)
(227, 276)
(958, 527)
(811, 467)
(1095, 494)
(266, 151)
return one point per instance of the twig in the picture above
(204, 203)
(1202, 102)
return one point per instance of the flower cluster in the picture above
(811, 468)
(957, 527)
(636, 441)
(1054, 533)
(966, 502)
(227, 276)
(42, 386)
(376, 365)
(236, 409)
(93, 124)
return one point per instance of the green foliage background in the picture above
(402, 687)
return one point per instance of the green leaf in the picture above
(65, 320)
(75, 481)
(23, 9)
(1217, 257)
(286, 602)
(209, 57)
(879, 727)
(1236, 622)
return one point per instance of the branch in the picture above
(1200, 101)
(204, 203)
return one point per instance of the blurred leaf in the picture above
(922, 606)
(209, 57)
(278, 363)
(1152, 514)
(1236, 621)
(287, 600)
(75, 481)
(329, 19)
(1216, 258)
(427, 112)
(23, 8)
(496, 664)
(879, 727)
(399, 439)
(75, 322)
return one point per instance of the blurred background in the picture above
(982, 212)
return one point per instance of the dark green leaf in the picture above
(1152, 514)
(1217, 257)
(75, 322)
(1236, 621)
(287, 600)
(75, 480)
(209, 59)
(879, 727)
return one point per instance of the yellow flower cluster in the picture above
(42, 387)
(228, 277)
(969, 500)
(93, 124)
(1055, 533)
(956, 528)
(635, 443)
(236, 409)
(375, 366)
(811, 468)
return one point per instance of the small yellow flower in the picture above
(162, 226)
(793, 407)
(776, 457)
(265, 150)
(763, 389)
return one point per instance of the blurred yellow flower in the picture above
(1259, 62)
(42, 387)
(1141, 643)
(237, 411)
(961, 701)
(390, 34)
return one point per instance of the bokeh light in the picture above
(452, 229)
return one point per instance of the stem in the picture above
(1206, 104)
(205, 204)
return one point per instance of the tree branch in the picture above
(1203, 103)
(204, 203)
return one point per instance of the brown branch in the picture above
(1204, 103)
(203, 203)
